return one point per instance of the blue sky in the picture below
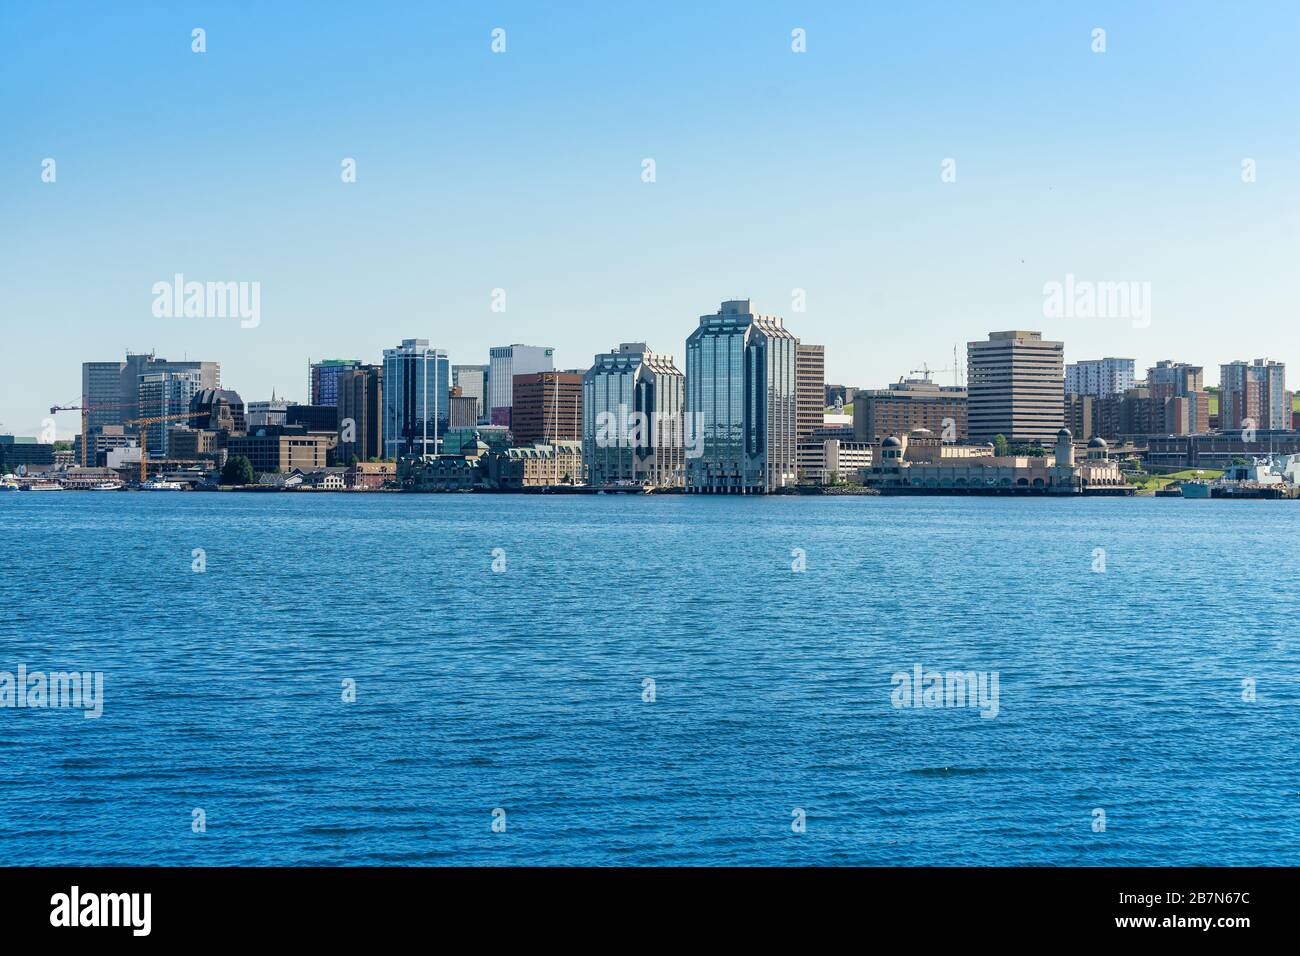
(775, 171)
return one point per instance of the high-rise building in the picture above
(360, 419)
(1253, 393)
(632, 402)
(111, 390)
(810, 385)
(472, 381)
(1100, 377)
(323, 379)
(906, 406)
(547, 407)
(741, 402)
(417, 384)
(504, 363)
(166, 395)
(1015, 387)
(1180, 389)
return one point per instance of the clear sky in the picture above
(522, 171)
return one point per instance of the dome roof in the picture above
(1063, 433)
(1098, 442)
(891, 442)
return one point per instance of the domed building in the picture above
(919, 464)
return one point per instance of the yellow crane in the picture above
(144, 436)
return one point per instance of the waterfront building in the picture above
(536, 466)
(922, 464)
(1100, 377)
(826, 460)
(908, 405)
(1218, 449)
(547, 406)
(1015, 388)
(323, 379)
(370, 475)
(417, 384)
(1254, 394)
(330, 478)
(810, 387)
(465, 471)
(281, 448)
(360, 404)
(472, 381)
(166, 395)
(17, 450)
(741, 402)
(457, 440)
(632, 418)
(504, 363)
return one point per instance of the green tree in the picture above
(1000, 445)
(238, 470)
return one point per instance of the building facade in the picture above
(417, 385)
(810, 387)
(1254, 395)
(323, 379)
(166, 395)
(281, 448)
(906, 406)
(1218, 450)
(632, 417)
(924, 465)
(1100, 377)
(542, 465)
(741, 395)
(547, 406)
(361, 400)
(504, 363)
(1180, 390)
(1015, 388)
(472, 381)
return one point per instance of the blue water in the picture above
(522, 690)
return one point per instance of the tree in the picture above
(238, 470)
(1000, 445)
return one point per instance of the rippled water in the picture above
(523, 690)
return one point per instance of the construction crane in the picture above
(85, 408)
(927, 371)
(144, 436)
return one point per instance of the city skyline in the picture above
(829, 191)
